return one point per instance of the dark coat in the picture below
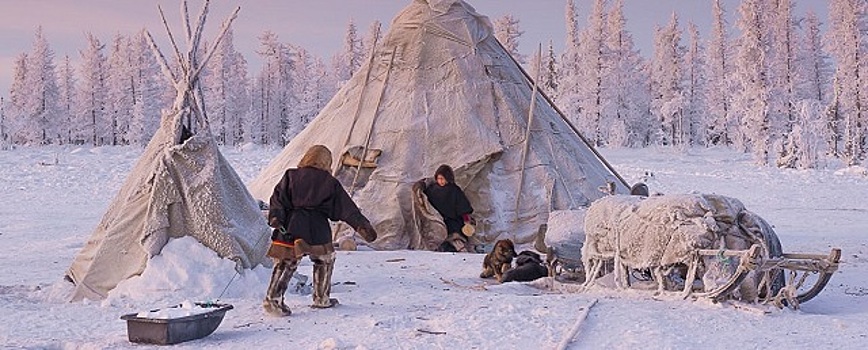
(305, 200)
(451, 203)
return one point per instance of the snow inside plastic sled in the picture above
(163, 327)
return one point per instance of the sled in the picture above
(784, 279)
(788, 280)
(168, 331)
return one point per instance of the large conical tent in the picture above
(181, 186)
(440, 89)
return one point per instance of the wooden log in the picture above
(577, 325)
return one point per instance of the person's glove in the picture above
(274, 223)
(278, 234)
(469, 220)
(367, 232)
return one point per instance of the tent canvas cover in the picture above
(181, 186)
(440, 89)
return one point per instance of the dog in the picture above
(528, 267)
(499, 260)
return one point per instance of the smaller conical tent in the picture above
(181, 186)
(441, 89)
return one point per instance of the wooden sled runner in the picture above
(788, 280)
(803, 276)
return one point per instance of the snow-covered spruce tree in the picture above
(667, 90)
(40, 106)
(809, 134)
(148, 85)
(592, 50)
(846, 41)
(18, 93)
(751, 83)
(694, 84)
(346, 62)
(67, 108)
(226, 91)
(4, 139)
(272, 92)
(120, 90)
(310, 88)
(549, 77)
(804, 142)
(567, 96)
(93, 94)
(783, 74)
(626, 101)
(832, 116)
(814, 77)
(508, 31)
(720, 124)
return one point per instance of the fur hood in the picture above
(317, 156)
(447, 173)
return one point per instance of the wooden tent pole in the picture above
(187, 73)
(171, 40)
(373, 120)
(527, 131)
(570, 124)
(161, 59)
(361, 97)
(200, 26)
(223, 30)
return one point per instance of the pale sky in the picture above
(317, 25)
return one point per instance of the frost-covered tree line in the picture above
(116, 92)
(790, 90)
(770, 84)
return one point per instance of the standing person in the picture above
(449, 200)
(301, 206)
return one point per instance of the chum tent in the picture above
(181, 186)
(440, 89)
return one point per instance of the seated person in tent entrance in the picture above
(301, 206)
(449, 200)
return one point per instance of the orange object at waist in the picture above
(283, 244)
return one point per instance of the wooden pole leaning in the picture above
(361, 99)
(527, 132)
(373, 120)
(570, 124)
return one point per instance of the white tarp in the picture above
(452, 95)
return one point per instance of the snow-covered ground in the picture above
(51, 198)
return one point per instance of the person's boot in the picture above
(273, 303)
(323, 265)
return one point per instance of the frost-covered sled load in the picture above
(181, 186)
(440, 89)
(704, 245)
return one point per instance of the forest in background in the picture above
(772, 84)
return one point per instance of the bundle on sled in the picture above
(701, 245)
